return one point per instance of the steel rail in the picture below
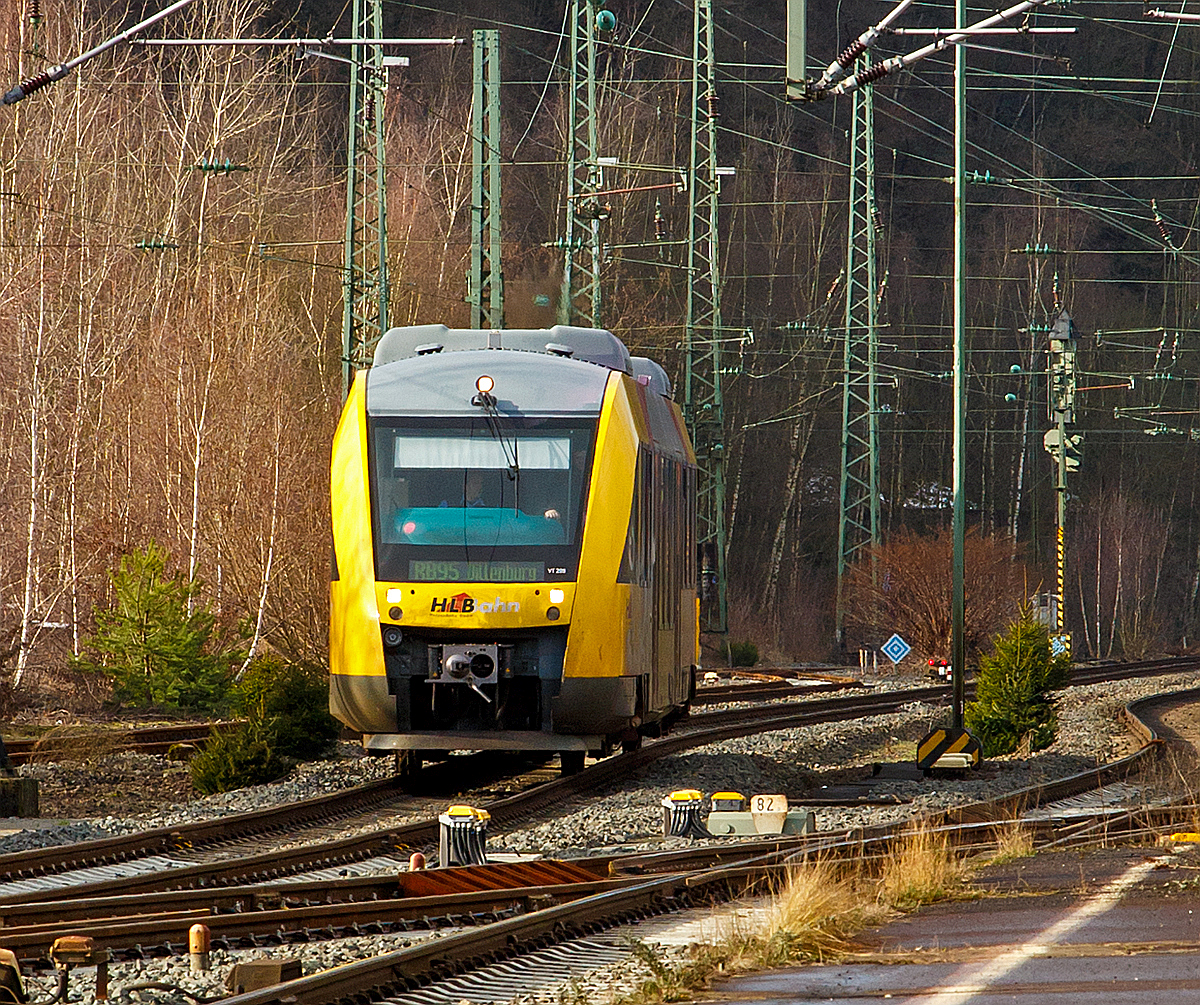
(371, 980)
(1081, 674)
(716, 694)
(713, 727)
(275, 864)
(972, 827)
(146, 740)
(304, 893)
(159, 840)
(168, 931)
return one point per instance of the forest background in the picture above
(173, 336)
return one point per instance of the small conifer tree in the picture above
(148, 643)
(1012, 689)
(291, 699)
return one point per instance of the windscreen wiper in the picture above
(485, 400)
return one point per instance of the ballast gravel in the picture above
(627, 816)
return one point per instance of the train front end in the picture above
(475, 598)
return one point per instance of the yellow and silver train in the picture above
(514, 562)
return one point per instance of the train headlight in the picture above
(552, 613)
(484, 384)
(394, 596)
(557, 596)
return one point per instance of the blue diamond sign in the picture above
(895, 649)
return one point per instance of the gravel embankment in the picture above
(628, 816)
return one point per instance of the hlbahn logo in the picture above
(464, 603)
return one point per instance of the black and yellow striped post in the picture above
(1060, 621)
(958, 748)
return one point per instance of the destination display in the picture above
(476, 572)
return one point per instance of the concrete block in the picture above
(254, 975)
(797, 821)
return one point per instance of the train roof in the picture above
(526, 383)
(652, 375)
(432, 369)
(591, 345)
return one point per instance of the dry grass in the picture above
(77, 743)
(921, 869)
(812, 917)
(1012, 842)
(821, 906)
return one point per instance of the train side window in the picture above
(630, 571)
(645, 521)
(666, 528)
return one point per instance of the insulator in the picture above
(713, 101)
(1162, 226)
(660, 223)
(216, 166)
(851, 53)
(33, 10)
(872, 73)
(876, 220)
(27, 87)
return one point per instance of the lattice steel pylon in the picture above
(580, 302)
(485, 284)
(858, 522)
(703, 406)
(365, 278)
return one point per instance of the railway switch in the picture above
(462, 836)
(946, 747)
(71, 951)
(767, 814)
(254, 975)
(728, 802)
(681, 814)
(10, 977)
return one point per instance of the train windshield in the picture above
(479, 503)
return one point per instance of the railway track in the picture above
(166, 858)
(157, 860)
(788, 683)
(146, 740)
(501, 911)
(515, 949)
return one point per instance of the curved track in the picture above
(165, 867)
(711, 874)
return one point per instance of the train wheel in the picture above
(571, 761)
